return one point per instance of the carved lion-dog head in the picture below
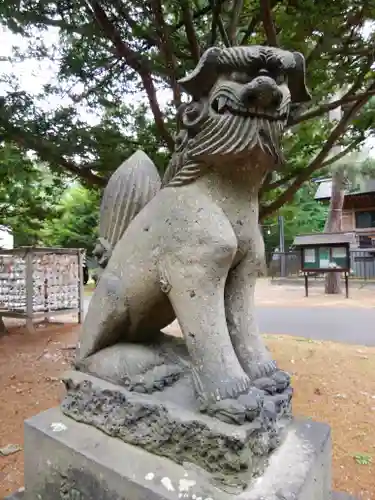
(241, 97)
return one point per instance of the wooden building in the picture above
(358, 211)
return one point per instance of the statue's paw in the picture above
(266, 384)
(282, 380)
(270, 412)
(253, 403)
(246, 407)
(282, 400)
(269, 368)
(273, 383)
(260, 370)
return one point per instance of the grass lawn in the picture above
(333, 383)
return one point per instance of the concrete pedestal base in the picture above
(335, 496)
(68, 460)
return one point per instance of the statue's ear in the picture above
(297, 80)
(201, 80)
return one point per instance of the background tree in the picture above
(28, 194)
(76, 220)
(303, 215)
(349, 171)
(106, 53)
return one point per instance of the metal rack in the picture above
(40, 283)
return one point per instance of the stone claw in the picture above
(282, 380)
(266, 384)
(270, 411)
(252, 402)
(276, 382)
(246, 407)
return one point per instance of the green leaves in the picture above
(303, 215)
(45, 209)
(27, 194)
(107, 55)
(363, 459)
(75, 222)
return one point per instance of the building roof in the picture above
(325, 187)
(323, 239)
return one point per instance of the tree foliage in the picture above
(348, 173)
(303, 215)
(356, 168)
(108, 51)
(28, 193)
(76, 220)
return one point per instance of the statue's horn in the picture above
(297, 80)
(201, 80)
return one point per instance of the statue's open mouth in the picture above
(224, 105)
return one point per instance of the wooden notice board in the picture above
(321, 258)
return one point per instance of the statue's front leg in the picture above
(249, 346)
(193, 272)
(196, 277)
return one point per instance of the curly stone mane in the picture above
(206, 132)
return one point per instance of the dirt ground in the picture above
(333, 383)
(283, 295)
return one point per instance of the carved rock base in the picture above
(169, 423)
(71, 461)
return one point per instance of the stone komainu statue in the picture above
(190, 248)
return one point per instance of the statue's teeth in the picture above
(222, 102)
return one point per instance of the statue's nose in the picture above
(262, 92)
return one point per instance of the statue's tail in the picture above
(130, 188)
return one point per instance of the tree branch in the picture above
(216, 9)
(223, 32)
(281, 182)
(49, 154)
(265, 184)
(232, 29)
(352, 22)
(167, 50)
(359, 80)
(187, 18)
(360, 51)
(250, 29)
(133, 59)
(343, 153)
(200, 13)
(318, 160)
(269, 27)
(318, 48)
(133, 24)
(256, 20)
(150, 40)
(99, 85)
(137, 63)
(320, 110)
(41, 19)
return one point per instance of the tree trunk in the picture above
(3, 329)
(334, 225)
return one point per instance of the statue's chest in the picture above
(239, 204)
(243, 217)
(246, 232)
(249, 239)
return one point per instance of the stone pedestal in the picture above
(65, 459)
